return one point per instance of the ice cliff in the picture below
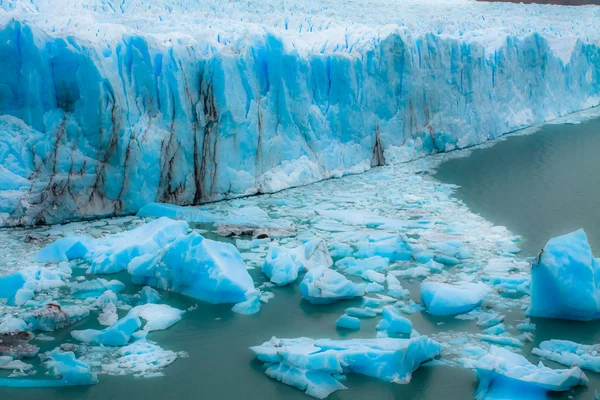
(106, 106)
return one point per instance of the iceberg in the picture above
(323, 285)
(64, 249)
(118, 334)
(157, 316)
(148, 296)
(279, 266)
(282, 265)
(570, 354)
(392, 321)
(69, 370)
(445, 299)
(348, 322)
(565, 280)
(197, 267)
(114, 253)
(313, 365)
(105, 112)
(143, 358)
(53, 316)
(505, 375)
(94, 288)
(188, 214)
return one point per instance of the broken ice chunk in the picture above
(64, 249)
(565, 280)
(148, 296)
(570, 354)
(118, 334)
(280, 267)
(189, 214)
(201, 268)
(323, 285)
(348, 322)
(250, 306)
(393, 322)
(53, 316)
(445, 299)
(114, 253)
(504, 374)
(157, 316)
(66, 367)
(310, 365)
(94, 288)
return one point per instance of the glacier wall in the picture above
(99, 117)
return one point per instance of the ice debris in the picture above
(565, 280)
(505, 375)
(446, 299)
(118, 334)
(392, 321)
(570, 354)
(313, 365)
(201, 268)
(68, 370)
(323, 285)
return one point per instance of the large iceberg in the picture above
(570, 353)
(565, 280)
(446, 299)
(197, 267)
(323, 285)
(107, 108)
(68, 370)
(506, 375)
(314, 366)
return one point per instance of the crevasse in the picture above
(107, 106)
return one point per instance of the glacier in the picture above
(106, 106)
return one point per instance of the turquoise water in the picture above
(538, 186)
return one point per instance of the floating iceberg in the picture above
(69, 370)
(118, 334)
(94, 288)
(188, 214)
(565, 280)
(313, 365)
(570, 354)
(114, 253)
(392, 321)
(505, 375)
(250, 306)
(280, 267)
(323, 285)
(348, 322)
(157, 316)
(142, 358)
(64, 249)
(445, 299)
(53, 316)
(148, 296)
(201, 268)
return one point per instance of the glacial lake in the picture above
(539, 186)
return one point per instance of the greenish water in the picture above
(538, 186)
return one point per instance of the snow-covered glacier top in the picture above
(328, 26)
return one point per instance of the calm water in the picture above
(538, 186)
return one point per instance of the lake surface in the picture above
(538, 186)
